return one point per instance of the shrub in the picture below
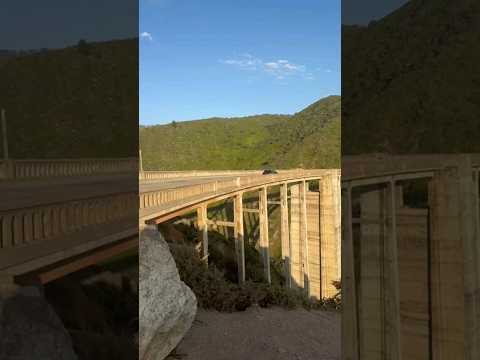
(214, 291)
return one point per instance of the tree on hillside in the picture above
(83, 47)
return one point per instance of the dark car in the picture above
(269, 172)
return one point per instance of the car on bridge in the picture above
(269, 172)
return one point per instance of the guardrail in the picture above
(39, 168)
(160, 175)
(19, 227)
(370, 165)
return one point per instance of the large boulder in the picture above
(30, 329)
(167, 306)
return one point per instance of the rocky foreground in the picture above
(259, 333)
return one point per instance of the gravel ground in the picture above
(263, 334)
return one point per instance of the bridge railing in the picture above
(39, 168)
(29, 226)
(160, 175)
(370, 165)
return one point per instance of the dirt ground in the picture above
(263, 334)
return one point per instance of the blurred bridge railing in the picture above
(45, 168)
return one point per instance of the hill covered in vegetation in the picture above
(309, 139)
(80, 101)
(410, 81)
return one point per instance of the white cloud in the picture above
(272, 65)
(279, 69)
(146, 35)
(246, 61)
(323, 69)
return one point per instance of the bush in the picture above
(214, 291)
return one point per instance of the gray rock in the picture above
(167, 306)
(31, 330)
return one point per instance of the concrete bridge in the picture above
(411, 257)
(58, 216)
(310, 221)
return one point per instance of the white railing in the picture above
(19, 227)
(39, 168)
(160, 175)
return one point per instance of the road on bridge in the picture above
(26, 194)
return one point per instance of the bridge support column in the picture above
(329, 235)
(285, 235)
(350, 347)
(264, 240)
(378, 293)
(296, 249)
(202, 223)
(298, 236)
(455, 253)
(393, 325)
(304, 235)
(239, 237)
(370, 296)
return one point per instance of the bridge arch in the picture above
(410, 276)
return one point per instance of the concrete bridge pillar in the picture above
(350, 334)
(377, 282)
(296, 248)
(298, 236)
(202, 223)
(304, 236)
(455, 288)
(285, 234)
(264, 240)
(239, 237)
(329, 209)
(370, 279)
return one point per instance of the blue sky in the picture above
(362, 12)
(200, 59)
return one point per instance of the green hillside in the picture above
(410, 81)
(80, 101)
(310, 139)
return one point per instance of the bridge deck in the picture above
(160, 198)
(26, 194)
(49, 220)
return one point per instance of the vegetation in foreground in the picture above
(308, 139)
(216, 287)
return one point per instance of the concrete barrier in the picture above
(19, 227)
(160, 175)
(39, 168)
